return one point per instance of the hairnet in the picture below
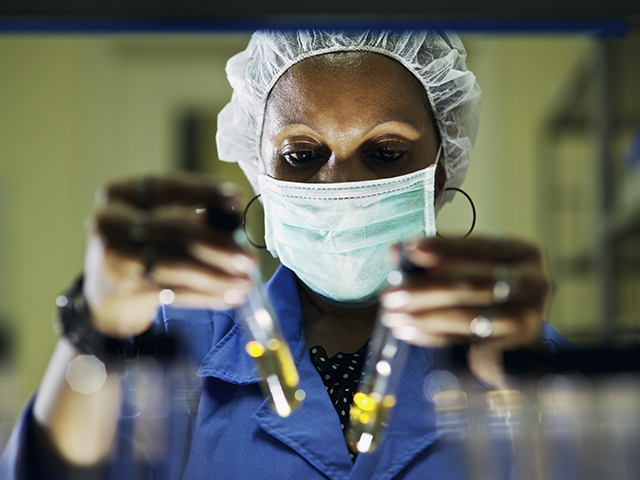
(436, 59)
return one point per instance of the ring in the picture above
(481, 326)
(503, 284)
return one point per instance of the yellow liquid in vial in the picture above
(369, 415)
(278, 373)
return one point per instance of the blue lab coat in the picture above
(223, 428)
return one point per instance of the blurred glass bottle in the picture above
(8, 384)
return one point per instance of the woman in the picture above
(352, 140)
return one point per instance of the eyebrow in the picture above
(402, 129)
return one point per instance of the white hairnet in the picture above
(436, 59)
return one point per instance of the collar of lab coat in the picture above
(313, 430)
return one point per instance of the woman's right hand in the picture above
(156, 233)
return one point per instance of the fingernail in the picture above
(397, 299)
(228, 189)
(393, 320)
(406, 332)
(242, 263)
(423, 259)
(166, 296)
(234, 297)
(395, 278)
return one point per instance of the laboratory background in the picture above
(557, 161)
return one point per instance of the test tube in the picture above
(267, 346)
(565, 403)
(618, 407)
(375, 399)
(450, 402)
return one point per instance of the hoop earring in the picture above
(244, 224)
(473, 211)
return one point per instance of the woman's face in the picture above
(346, 117)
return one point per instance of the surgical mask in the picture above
(336, 237)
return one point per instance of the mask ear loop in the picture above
(244, 224)
(439, 200)
(438, 153)
(473, 210)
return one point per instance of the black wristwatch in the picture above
(74, 323)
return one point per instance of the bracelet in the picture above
(74, 323)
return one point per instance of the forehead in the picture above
(348, 82)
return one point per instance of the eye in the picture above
(386, 154)
(302, 152)
(301, 156)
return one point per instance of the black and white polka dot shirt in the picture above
(341, 375)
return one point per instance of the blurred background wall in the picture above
(76, 112)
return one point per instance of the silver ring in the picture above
(481, 326)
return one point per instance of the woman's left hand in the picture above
(486, 290)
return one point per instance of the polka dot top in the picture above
(341, 375)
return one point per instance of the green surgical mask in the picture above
(337, 237)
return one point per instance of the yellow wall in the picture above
(39, 153)
(518, 77)
(75, 112)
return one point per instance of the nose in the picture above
(344, 168)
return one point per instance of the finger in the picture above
(123, 316)
(123, 268)
(228, 299)
(414, 336)
(526, 291)
(435, 298)
(468, 284)
(169, 231)
(209, 220)
(187, 275)
(152, 191)
(127, 272)
(486, 364)
(451, 322)
(453, 274)
(231, 262)
(454, 325)
(524, 331)
(478, 248)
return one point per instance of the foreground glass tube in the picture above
(375, 399)
(374, 402)
(270, 352)
(268, 347)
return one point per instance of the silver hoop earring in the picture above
(473, 211)
(244, 224)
